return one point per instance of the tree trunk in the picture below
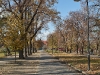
(97, 48)
(77, 48)
(82, 49)
(21, 56)
(15, 56)
(70, 50)
(33, 48)
(26, 52)
(67, 49)
(8, 51)
(30, 47)
(25, 48)
(99, 53)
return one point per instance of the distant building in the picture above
(44, 45)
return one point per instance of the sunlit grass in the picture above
(1, 55)
(3, 52)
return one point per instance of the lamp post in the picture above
(88, 46)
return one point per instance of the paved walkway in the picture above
(39, 63)
(52, 66)
(28, 66)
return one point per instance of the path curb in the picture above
(78, 70)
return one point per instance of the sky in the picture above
(64, 7)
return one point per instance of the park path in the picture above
(27, 66)
(51, 66)
(40, 63)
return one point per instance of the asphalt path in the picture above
(40, 63)
(51, 66)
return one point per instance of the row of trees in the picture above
(21, 21)
(71, 33)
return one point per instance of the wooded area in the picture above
(21, 21)
(71, 33)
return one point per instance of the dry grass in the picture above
(80, 62)
(2, 55)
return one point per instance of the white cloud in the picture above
(44, 35)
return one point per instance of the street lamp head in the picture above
(77, 0)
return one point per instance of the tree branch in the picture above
(33, 17)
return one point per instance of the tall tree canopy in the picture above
(25, 18)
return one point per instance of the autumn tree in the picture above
(95, 7)
(39, 44)
(33, 16)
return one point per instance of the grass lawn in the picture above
(2, 55)
(79, 62)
